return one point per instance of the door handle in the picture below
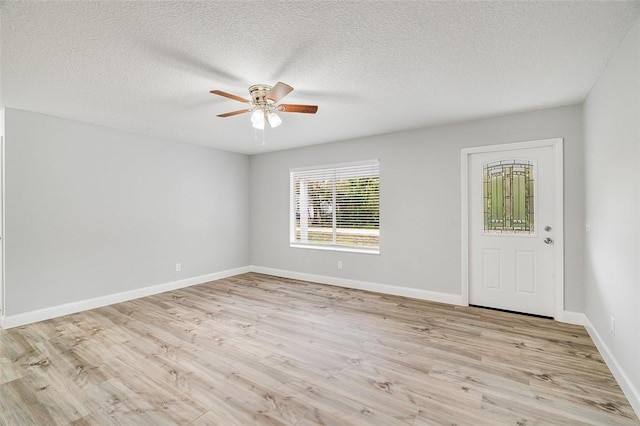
(548, 240)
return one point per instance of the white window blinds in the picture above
(336, 207)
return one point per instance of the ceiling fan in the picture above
(263, 104)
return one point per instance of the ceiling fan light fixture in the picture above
(257, 119)
(274, 120)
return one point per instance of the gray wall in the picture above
(612, 161)
(92, 211)
(420, 202)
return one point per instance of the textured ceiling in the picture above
(372, 66)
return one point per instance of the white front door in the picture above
(513, 228)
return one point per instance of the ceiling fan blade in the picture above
(229, 114)
(279, 91)
(305, 109)
(230, 96)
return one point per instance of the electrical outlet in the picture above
(339, 264)
(178, 267)
(612, 325)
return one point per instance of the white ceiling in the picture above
(373, 67)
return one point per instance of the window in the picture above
(508, 197)
(336, 207)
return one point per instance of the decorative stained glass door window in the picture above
(508, 195)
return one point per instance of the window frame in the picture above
(329, 168)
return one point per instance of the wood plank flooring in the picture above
(255, 349)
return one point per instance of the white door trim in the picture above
(556, 144)
(2, 216)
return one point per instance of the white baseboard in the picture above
(452, 299)
(629, 390)
(577, 318)
(17, 320)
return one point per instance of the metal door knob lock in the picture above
(548, 240)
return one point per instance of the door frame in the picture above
(558, 273)
(2, 216)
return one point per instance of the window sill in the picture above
(337, 248)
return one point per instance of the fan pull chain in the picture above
(255, 136)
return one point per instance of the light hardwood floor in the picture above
(255, 349)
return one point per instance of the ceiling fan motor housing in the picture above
(258, 93)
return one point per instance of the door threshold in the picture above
(512, 312)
